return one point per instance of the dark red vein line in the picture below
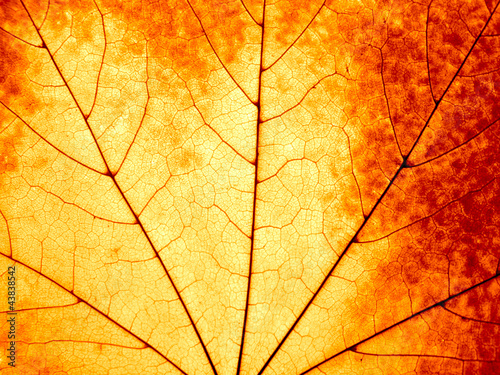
(471, 319)
(431, 214)
(213, 130)
(278, 171)
(143, 115)
(298, 37)
(8, 232)
(456, 147)
(250, 14)
(353, 175)
(80, 300)
(215, 52)
(256, 181)
(125, 199)
(391, 182)
(427, 50)
(50, 144)
(102, 61)
(78, 207)
(80, 342)
(234, 80)
(233, 223)
(425, 356)
(20, 39)
(305, 96)
(387, 104)
(41, 308)
(484, 72)
(46, 14)
(441, 303)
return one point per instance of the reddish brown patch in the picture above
(8, 63)
(9, 158)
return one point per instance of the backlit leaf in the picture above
(250, 187)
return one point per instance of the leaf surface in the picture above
(251, 187)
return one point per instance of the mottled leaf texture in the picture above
(251, 186)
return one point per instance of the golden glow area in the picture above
(250, 187)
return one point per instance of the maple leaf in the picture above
(250, 187)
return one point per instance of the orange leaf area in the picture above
(250, 187)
